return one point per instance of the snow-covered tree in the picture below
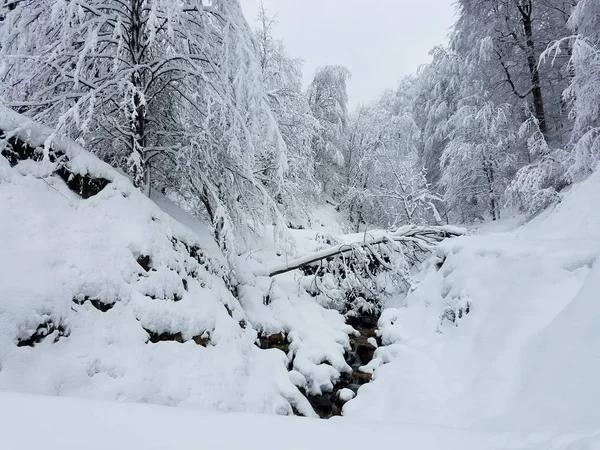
(386, 186)
(506, 38)
(170, 85)
(328, 100)
(535, 185)
(101, 70)
(282, 77)
(437, 87)
(584, 90)
(477, 160)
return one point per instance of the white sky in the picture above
(380, 41)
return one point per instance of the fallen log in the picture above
(425, 237)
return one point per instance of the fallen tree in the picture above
(420, 238)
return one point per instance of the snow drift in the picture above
(110, 297)
(503, 335)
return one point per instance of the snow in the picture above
(73, 424)
(496, 349)
(521, 350)
(59, 250)
(318, 337)
(346, 394)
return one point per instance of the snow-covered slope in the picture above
(98, 294)
(117, 297)
(504, 335)
(114, 296)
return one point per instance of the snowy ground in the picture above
(526, 355)
(497, 349)
(34, 422)
(122, 330)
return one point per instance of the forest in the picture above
(188, 99)
(188, 222)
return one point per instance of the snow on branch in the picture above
(425, 237)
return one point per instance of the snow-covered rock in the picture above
(109, 296)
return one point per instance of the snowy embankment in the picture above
(112, 297)
(109, 297)
(505, 335)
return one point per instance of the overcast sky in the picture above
(380, 41)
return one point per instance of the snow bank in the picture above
(73, 424)
(133, 296)
(318, 337)
(575, 217)
(110, 286)
(503, 335)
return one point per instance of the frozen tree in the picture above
(365, 142)
(282, 77)
(234, 161)
(437, 93)
(492, 75)
(584, 90)
(477, 160)
(507, 37)
(103, 70)
(385, 185)
(328, 101)
(170, 85)
(535, 186)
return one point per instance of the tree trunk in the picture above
(425, 237)
(489, 174)
(526, 10)
(138, 114)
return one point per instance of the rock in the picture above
(363, 348)
(43, 330)
(200, 340)
(154, 337)
(361, 378)
(278, 340)
(363, 322)
(17, 150)
(85, 185)
(325, 405)
(145, 262)
(163, 337)
(96, 303)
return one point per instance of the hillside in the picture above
(111, 298)
(503, 335)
